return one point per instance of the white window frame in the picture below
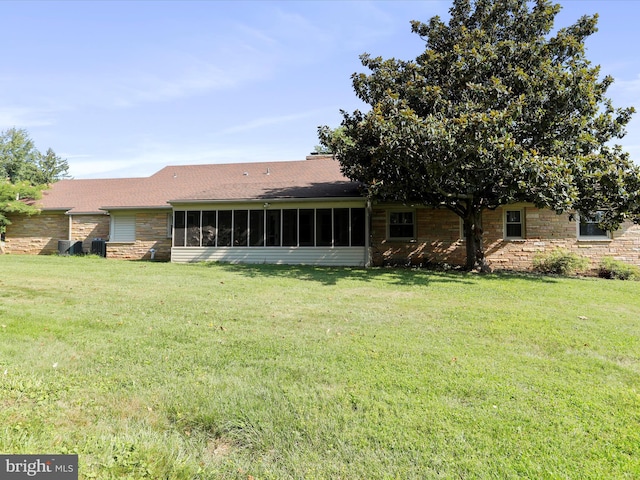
(582, 237)
(170, 225)
(414, 224)
(506, 222)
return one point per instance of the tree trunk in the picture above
(476, 259)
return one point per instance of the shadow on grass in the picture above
(390, 275)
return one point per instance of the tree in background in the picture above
(21, 161)
(496, 110)
(50, 168)
(24, 173)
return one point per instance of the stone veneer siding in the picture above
(86, 228)
(151, 232)
(438, 240)
(36, 234)
(25, 234)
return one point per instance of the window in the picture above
(225, 227)
(358, 227)
(179, 225)
(341, 227)
(123, 228)
(289, 228)
(193, 229)
(256, 228)
(306, 227)
(209, 228)
(240, 228)
(588, 227)
(292, 227)
(169, 225)
(324, 233)
(401, 225)
(273, 228)
(514, 224)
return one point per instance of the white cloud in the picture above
(149, 158)
(23, 117)
(268, 121)
(627, 87)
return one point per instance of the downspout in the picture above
(70, 227)
(367, 228)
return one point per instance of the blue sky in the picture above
(124, 88)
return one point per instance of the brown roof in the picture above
(316, 177)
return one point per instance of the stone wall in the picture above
(86, 228)
(438, 233)
(36, 234)
(151, 232)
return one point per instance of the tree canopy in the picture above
(496, 110)
(25, 172)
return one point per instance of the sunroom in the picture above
(312, 232)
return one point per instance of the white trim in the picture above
(521, 223)
(590, 238)
(412, 211)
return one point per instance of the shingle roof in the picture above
(316, 177)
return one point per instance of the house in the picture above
(296, 212)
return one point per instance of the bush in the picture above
(616, 269)
(561, 262)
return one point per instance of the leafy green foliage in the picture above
(21, 161)
(560, 262)
(24, 173)
(617, 269)
(495, 110)
(17, 199)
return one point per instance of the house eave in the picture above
(88, 212)
(267, 200)
(136, 207)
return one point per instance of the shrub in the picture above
(617, 269)
(560, 261)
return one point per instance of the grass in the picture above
(152, 370)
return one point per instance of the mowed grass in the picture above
(206, 371)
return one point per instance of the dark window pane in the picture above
(289, 228)
(179, 224)
(273, 228)
(240, 228)
(589, 226)
(306, 227)
(224, 228)
(401, 225)
(513, 216)
(323, 227)
(209, 228)
(341, 227)
(591, 230)
(256, 217)
(514, 230)
(358, 229)
(193, 229)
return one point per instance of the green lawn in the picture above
(153, 370)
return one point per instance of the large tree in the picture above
(24, 173)
(496, 110)
(20, 160)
